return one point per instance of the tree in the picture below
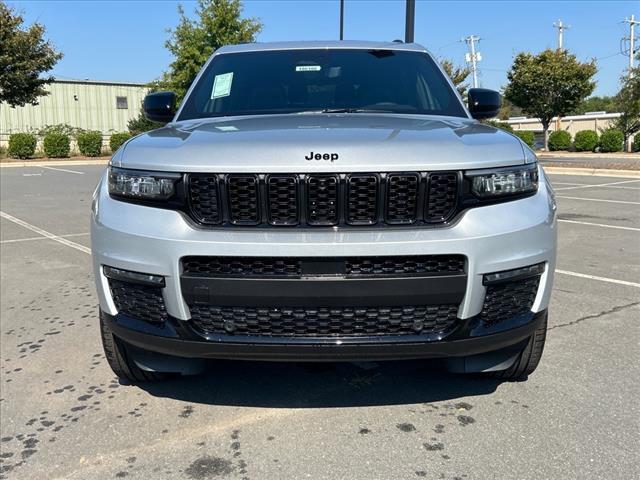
(628, 104)
(24, 56)
(596, 104)
(549, 84)
(457, 75)
(508, 110)
(218, 23)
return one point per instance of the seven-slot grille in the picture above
(406, 198)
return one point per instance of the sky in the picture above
(124, 41)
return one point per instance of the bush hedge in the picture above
(559, 140)
(22, 145)
(586, 141)
(500, 125)
(611, 140)
(90, 143)
(56, 145)
(117, 139)
(636, 143)
(526, 136)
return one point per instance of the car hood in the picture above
(283, 143)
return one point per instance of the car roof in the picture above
(343, 44)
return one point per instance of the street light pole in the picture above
(409, 26)
(341, 19)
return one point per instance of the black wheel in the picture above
(529, 358)
(121, 362)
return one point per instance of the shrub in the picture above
(90, 143)
(559, 140)
(636, 143)
(117, 139)
(500, 125)
(56, 145)
(611, 140)
(60, 128)
(586, 141)
(22, 145)
(526, 136)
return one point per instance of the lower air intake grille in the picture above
(406, 265)
(324, 321)
(138, 301)
(508, 300)
(241, 266)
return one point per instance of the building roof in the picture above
(98, 82)
(352, 44)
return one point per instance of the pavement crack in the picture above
(596, 315)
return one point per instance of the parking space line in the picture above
(601, 279)
(44, 233)
(596, 185)
(62, 170)
(600, 225)
(599, 200)
(30, 239)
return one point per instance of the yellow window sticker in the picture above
(222, 85)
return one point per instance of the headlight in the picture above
(141, 185)
(503, 182)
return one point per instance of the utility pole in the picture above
(341, 19)
(410, 20)
(632, 23)
(473, 57)
(561, 28)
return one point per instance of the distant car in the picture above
(323, 201)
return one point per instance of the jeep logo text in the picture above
(322, 156)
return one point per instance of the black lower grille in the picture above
(508, 300)
(324, 321)
(138, 301)
(399, 265)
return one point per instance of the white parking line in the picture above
(62, 170)
(599, 200)
(599, 225)
(46, 234)
(29, 239)
(596, 185)
(600, 279)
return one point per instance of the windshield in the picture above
(321, 80)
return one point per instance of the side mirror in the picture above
(484, 103)
(160, 106)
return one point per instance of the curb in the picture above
(596, 172)
(61, 163)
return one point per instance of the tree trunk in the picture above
(545, 129)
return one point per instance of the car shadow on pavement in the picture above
(321, 385)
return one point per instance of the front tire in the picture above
(121, 362)
(528, 360)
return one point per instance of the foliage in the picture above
(611, 140)
(586, 141)
(24, 56)
(559, 140)
(22, 145)
(500, 125)
(117, 139)
(628, 103)
(457, 75)
(596, 104)
(527, 136)
(551, 83)
(90, 143)
(508, 109)
(142, 124)
(62, 128)
(636, 143)
(217, 23)
(56, 145)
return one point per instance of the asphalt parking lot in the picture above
(64, 414)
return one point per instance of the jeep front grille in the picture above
(289, 200)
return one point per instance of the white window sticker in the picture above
(222, 85)
(308, 68)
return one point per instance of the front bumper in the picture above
(493, 238)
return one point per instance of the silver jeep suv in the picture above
(323, 201)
